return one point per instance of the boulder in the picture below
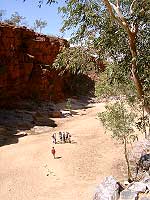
(145, 198)
(128, 195)
(107, 190)
(55, 114)
(41, 119)
(146, 180)
(137, 187)
(66, 113)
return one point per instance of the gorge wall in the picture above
(25, 73)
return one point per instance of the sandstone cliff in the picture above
(25, 60)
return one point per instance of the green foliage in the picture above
(80, 85)
(39, 24)
(68, 104)
(77, 60)
(114, 82)
(91, 21)
(119, 120)
(142, 123)
(15, 19)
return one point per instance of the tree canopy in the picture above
(118, 30)
(15, 19)
(120, 122)
(77, 60)
(39, 24)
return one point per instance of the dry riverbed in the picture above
(29, 172)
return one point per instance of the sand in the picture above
(29, 172)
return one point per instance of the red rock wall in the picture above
(23, 74)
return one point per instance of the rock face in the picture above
(25, 60)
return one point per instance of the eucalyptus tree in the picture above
(39, 24)
(120, 29)
(120, 121)
(77, 60)
(16, 19)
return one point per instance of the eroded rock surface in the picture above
(25, 67)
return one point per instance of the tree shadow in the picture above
(73, 142)
(58, 157)
(14, 123)
(13, 139)
(24, 115)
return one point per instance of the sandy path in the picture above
(28, 171)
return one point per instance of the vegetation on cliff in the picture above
(17, 20)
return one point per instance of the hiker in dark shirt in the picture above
(64, 137)
(60, 136)
(54, 138)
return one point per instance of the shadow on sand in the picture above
(58, 157)
(14, 123)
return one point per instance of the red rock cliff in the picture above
(25, 68)
(25, 57)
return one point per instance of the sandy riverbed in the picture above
(29, 172)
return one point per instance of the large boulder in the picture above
(137, 187)
(42, 119)
(55, 114)
(107, 190)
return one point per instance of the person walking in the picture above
(53, 152)
(54, 138)
(60, 136)
(67, 136)
(64, 137)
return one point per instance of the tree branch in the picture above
(119, 18)
(118, 3)
(131, 7)
(131, 32)
(109, 8)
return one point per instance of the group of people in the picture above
(61, 137)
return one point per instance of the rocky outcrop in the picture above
(25, 66)
(111, 189)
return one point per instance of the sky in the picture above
(31, 11)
